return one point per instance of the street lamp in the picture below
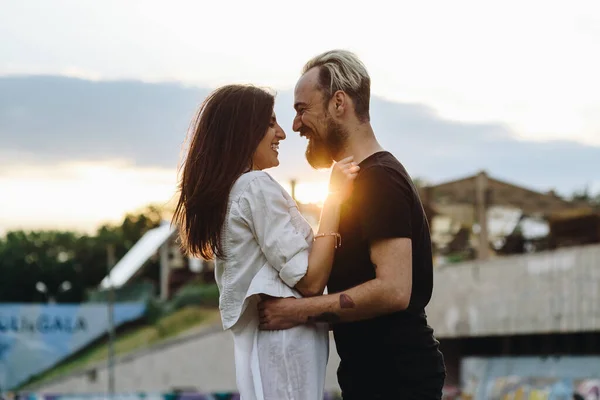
(64, 287)
(42, 288)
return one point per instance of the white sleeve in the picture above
(267, 212)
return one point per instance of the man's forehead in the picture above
(309, 80)
(306, 86)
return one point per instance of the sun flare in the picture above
(309, 192)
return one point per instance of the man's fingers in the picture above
(346, 160)
(263, 325)
(353, 168)
(347, 165)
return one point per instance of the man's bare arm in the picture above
(389, 292)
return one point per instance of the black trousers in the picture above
(402, 389)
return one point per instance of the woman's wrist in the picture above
(334, 196)
(335, 235)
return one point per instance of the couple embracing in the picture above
(366, 274)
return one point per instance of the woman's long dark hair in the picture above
(228, 128)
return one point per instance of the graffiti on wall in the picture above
(530, 378)
(137, 396)
(513, 388)
(528, 388)
(587, 389)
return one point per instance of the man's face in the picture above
(326, 137)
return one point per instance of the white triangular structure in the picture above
(135, 258)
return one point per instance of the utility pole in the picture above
(481, 196)
(293, 186)
(110, 256)
(163, 251)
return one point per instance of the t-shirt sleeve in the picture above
(268, 214)
(383, 200)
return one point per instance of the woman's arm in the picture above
(320, 259)
(266, 211)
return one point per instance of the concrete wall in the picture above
(202, 362)
(557, 291)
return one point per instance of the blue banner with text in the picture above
(34, 337)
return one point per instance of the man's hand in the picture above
(389, 292)
(341, 180)
(277, 313)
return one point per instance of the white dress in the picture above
(266, 243)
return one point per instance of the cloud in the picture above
(49, 120)
(53, 119)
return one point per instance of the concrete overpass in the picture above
(540, 304)
(549, 292)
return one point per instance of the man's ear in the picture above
(339, 102)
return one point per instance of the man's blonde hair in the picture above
(343, 70)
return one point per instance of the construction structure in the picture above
(471, 199)
(175, 269)
(574, 227)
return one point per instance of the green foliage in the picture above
(585, 196)
(192, 294)
(53, 257)
(206, 295)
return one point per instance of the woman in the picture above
(230, 210)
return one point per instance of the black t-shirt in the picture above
(379, 351)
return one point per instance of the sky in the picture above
(95, 97)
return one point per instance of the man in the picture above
(382, 277)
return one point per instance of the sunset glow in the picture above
(83, 195)
(309, 192)
(79, 196)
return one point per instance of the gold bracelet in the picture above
(338, 237)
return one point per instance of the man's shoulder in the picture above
(382, 162)
(383, 169)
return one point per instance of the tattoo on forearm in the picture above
(346, 301)
(328, 317)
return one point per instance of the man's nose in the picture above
(297, 124)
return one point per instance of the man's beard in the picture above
(321, 153)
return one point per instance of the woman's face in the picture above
(267, 152)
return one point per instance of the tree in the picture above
(585, 196)
(30, 257)
(54, 257)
